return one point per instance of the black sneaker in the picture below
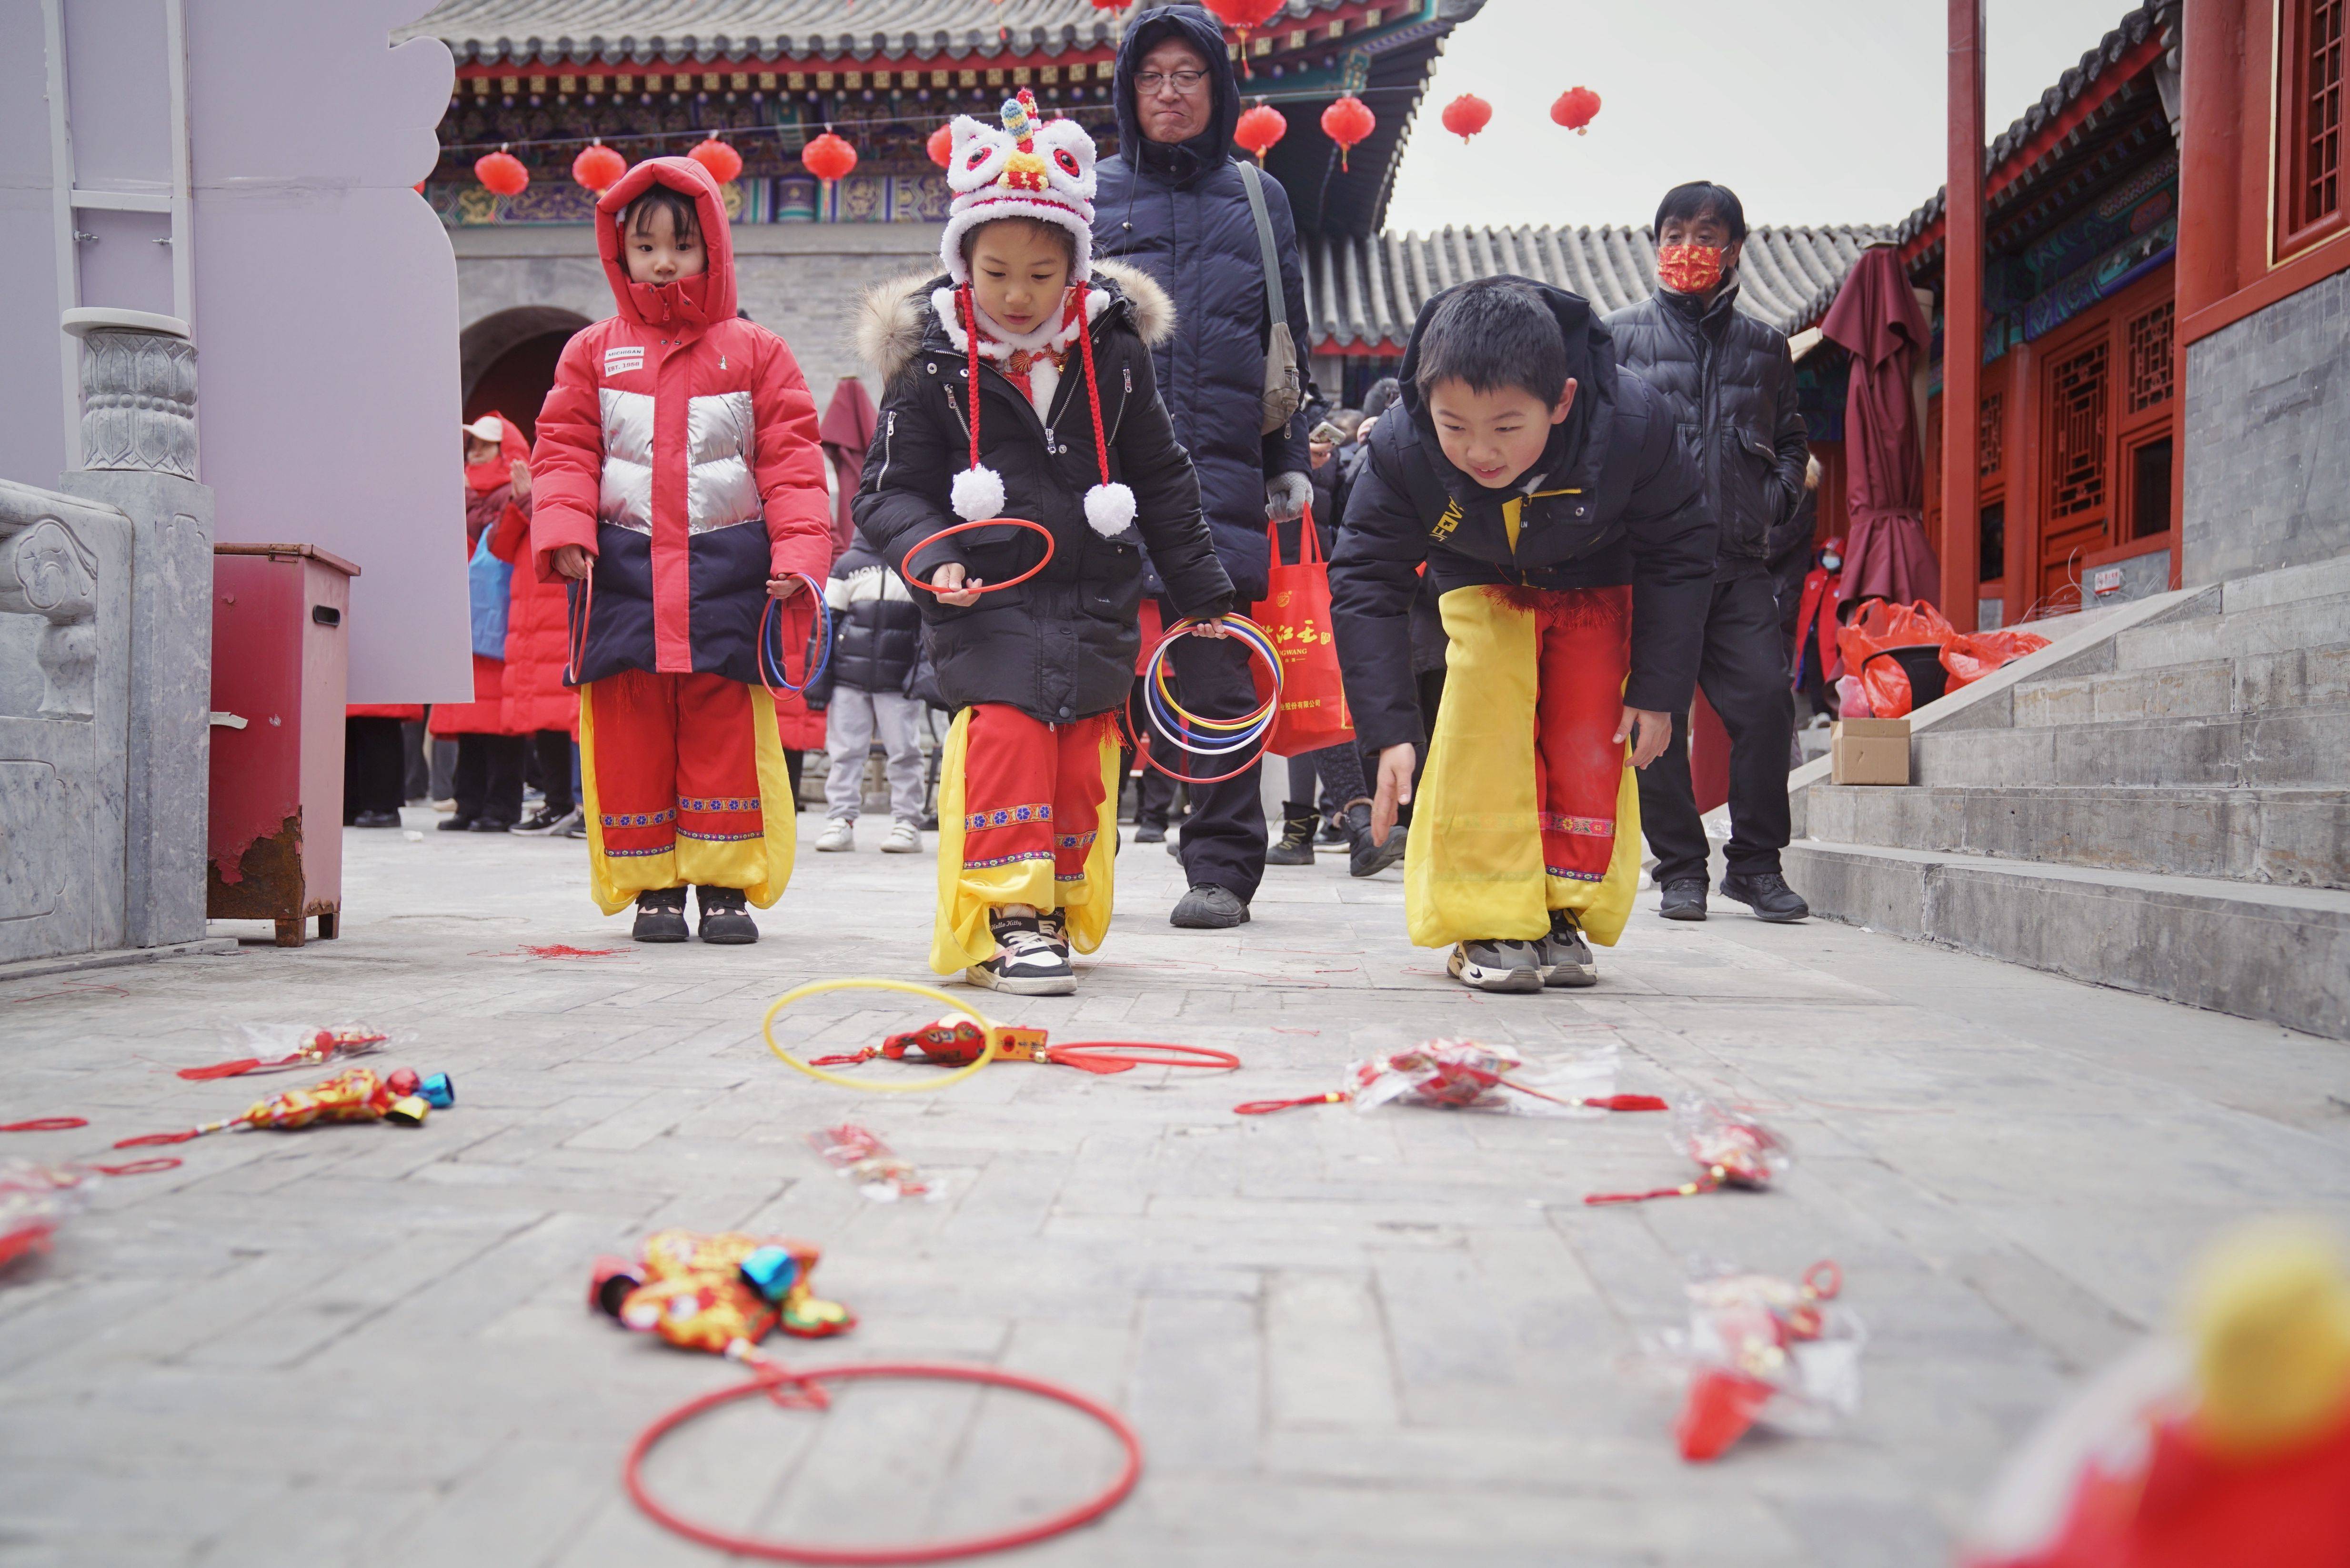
(724, 919)
(1368, 857)
(1497, 965)
(1566, 956)
(1333, 834)
(544, 823)
(1767, 894)
(1054, 924)
(457, 824)
(572, 826)
(1209, 907)
(491, 825)
(376, 819)
(1026, 963)
(660, 915)
(1150, 832)
(1682, 900)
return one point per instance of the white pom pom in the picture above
(1110, 509)
(978, 494)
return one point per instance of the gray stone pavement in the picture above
(1362, 1339)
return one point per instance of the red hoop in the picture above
(1087, 1052)
(769, 1380)
(985, 523)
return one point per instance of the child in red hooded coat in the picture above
(679, 484)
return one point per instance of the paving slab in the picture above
(1354, 1339)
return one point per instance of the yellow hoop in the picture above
(817, 988)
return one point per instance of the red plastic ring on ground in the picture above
(1123, 1050)
(768, 1379)
(985, 523)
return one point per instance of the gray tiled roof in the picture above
(2157, 18)
(556, 31)
(1362, 293)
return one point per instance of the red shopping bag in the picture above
(1972, 657)
(1882, 625)
(1296, 615)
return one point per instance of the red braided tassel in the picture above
(1629, 1103)
(970, 342)
(1092, 385)
(1686, 1190)
(140, 1167)
(1264, 1107)
(243, 1065)
(153, 1139)
(47, 1123)
(850, 1060)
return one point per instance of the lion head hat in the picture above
(1025, 167)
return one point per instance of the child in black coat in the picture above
(1020, 385)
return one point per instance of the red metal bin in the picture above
(279, 671)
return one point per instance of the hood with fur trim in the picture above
(895, 318)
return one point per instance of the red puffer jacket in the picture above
(538, 628)
(491, 504)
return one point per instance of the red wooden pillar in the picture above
(1963, 334)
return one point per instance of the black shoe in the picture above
(491, 825)
(1767, 894)
(376, 819)
(1027, 960)
(660, 915)
(1296, 845)
(1683, 901)
(724, 920)
(1566, 956)
(544, 823)
(1150, 832)
(1368, 857)
(1333, 834)
(1209, 907)
(458, 823)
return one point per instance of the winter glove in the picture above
(1286, 497)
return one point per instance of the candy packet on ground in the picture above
(879, 1174)
(274, 1048)
(1761, 1348)
(33, 1201)
(1468, 1074)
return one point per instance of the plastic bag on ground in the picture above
(1759, 1348)
(1972, 657)
(1468, 1075)
(1880, 626)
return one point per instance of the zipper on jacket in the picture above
(888, 434)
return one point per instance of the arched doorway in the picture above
(508, 361)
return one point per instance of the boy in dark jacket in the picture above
(1020, 385)
(1565, 531)
(866, 691)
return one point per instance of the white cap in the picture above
(489, 427)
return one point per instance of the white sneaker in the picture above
(839, 834)
(904, 838)
(1026, 963)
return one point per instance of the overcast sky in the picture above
(1814, 111)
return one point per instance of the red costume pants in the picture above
(1020, 822)
(685, 784)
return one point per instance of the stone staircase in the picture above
(2158, 801)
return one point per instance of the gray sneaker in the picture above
(1497, 965)
(1566, 956)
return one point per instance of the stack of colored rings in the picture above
(1188, 732)
(772, 674)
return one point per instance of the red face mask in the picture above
(1689, 269)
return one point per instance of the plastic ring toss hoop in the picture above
(1198, 737)
(985, 523)
(817, 988)
(771, 1380)
(772, 674)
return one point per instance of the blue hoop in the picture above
(772, 674)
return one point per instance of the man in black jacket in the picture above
(1730, 387)
(1174, 203)
(1564, 529)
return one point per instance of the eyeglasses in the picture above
(1185, 81)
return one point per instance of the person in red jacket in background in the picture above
(497, 519)
(681, 488)
(534, 702)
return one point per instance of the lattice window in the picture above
(2150, 359)
(2310, 131)
(1994, 421)
(2077, 399)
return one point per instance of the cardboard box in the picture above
(1869, 751)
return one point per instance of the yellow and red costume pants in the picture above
(1527, 804)
(685, 784)
(1021, 821)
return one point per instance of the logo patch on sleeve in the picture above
(621, 360)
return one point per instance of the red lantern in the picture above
(828, 158)
(1259, 128)
(723, 161)
(1467, 115)
(1347, 123)
(502, 172)
(598, 168)
(942, 145)
(1575, 108)
(1240, 15)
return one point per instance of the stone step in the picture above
(2289, 838)
(2276, 954)
(2298, 678)
(2315, 580)
(2286, 627)
(2263, 748)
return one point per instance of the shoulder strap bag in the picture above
(1285, 384)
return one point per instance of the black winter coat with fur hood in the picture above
(1063, 645)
